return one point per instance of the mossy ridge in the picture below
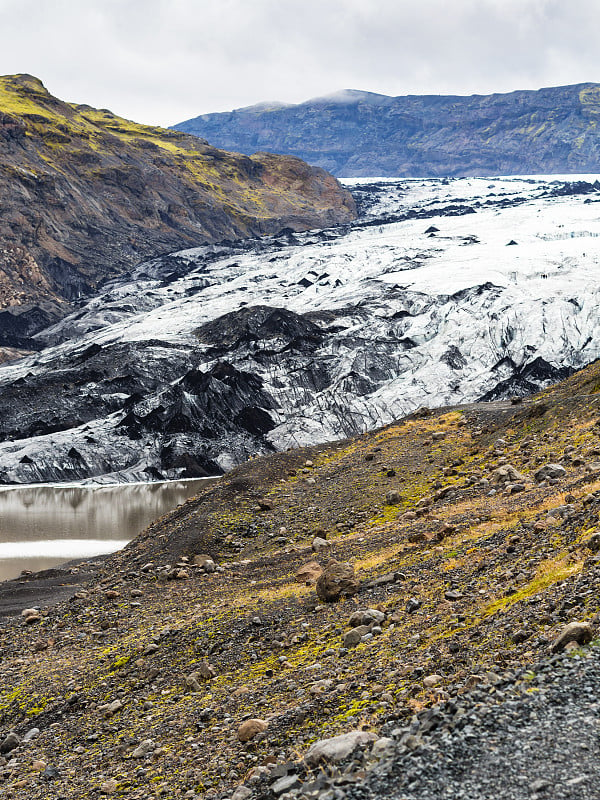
(142, 190)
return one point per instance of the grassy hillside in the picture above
(474, 575)
(86, 194)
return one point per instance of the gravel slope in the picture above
(542, 740)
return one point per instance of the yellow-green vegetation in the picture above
(473, 579)
(141, 190)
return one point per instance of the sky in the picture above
(165, 61)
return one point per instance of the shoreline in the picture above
(46, 587)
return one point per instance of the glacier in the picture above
(445, 291)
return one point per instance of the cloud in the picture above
(166, 60)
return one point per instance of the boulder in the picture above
(549, 471)
(10, 742)
(578, 632)
(366, 617)
(309, 572)
(251, 728)
(146, 746)
(318, 543)
(593, 543)
(354, 637)
(337, 748)
(506, 474)
(338, 579)
(204, 562)
(393, 498)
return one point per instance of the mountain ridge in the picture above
(354, 133)
(86, 194)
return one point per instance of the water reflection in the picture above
(42, 526)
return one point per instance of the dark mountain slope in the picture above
(358, 133)
(85, 194)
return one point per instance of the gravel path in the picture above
(541, 741)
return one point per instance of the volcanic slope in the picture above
(86, 194)
(357, 134)
(473, 533)
(443, 292)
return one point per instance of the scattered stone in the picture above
(285, 784)
(393, 498)
(51, 773)
(318, 543)
(109, 787)
(10, 742)
(144, 747)
(241, 793)
(432, 680)
(549, 471)
(506, 474)
(204, 562)
(453, 594)
(309, 572)
(337, 748)
(338, 579)
(593, 543)
(251, 728)
(354, 637)
(366, 617)
(382, 747)
(205, 672)
(579, 632)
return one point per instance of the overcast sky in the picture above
(163, 61)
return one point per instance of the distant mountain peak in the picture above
(356, 133)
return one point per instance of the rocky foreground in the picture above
(428, 592)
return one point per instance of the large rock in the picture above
(506, 474)
(337, 748)
(10, 742)
(251, 728)
(354, 636)
(366, 616)
(309, 572)
(338, 579)
(550, 471)
(579, 632)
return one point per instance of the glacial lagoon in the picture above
(42, 526)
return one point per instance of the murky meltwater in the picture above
(43, 526)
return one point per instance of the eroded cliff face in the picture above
(362, 134)
(85, 195)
